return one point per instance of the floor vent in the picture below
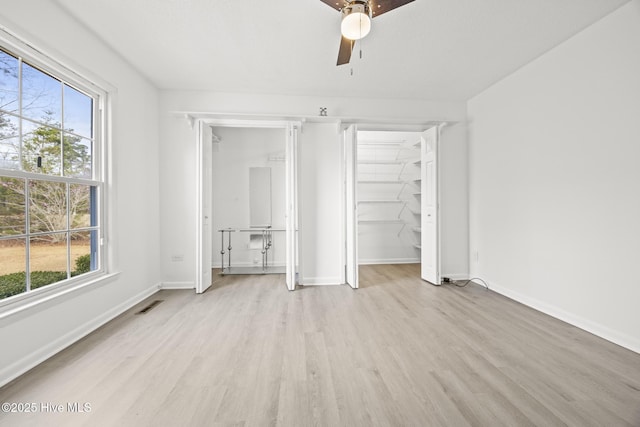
(150, 306)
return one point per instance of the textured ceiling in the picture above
(447, 50)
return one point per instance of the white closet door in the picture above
(291, 165)
(430, 242)
(205, 172)
(351, 205)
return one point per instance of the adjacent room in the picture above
(248, 192)
(367, 212)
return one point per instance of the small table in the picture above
(266, 244)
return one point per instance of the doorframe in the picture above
(382, 127)
(201, 186)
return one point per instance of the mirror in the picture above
(260, 197)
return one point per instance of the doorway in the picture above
(251, 241)
(388, 197)
(248, 187)
(391, 195)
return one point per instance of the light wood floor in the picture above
(396, 352)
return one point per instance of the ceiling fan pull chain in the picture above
(361, 39)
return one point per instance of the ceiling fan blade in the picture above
(378, 7)
(336, 4)
(344, 54)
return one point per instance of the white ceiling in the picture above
(446, 50)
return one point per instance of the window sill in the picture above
(23, 302)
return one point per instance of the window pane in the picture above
(41, 96)
(79, 205)
(9, 142)
(81, 253)
(48, 259)
(48, 230)
(78, 112)
(47, 206)
(77, 156)
(12, 267)
(8, 82)
(40, 148)
(12, 214)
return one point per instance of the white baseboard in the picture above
(13, 371)
(321, 281)
(601, 331)
(177, 285)
(389, 261)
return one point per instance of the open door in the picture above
(430, 236)
(351, 205)
(204, 173)
(291, 212)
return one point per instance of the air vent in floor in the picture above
(150, 306)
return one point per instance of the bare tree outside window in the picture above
(46, 135)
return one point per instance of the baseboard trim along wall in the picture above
(13, 371)
(389, 261)
(321, 281)
(177, 285)
(601, 331)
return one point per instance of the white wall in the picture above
(36, 333)
(321, 162)
(177, 201)
(554, 180)
(239, 150)
(321, 205)
(308, 106)
(454, 202)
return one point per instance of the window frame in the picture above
(101, 93)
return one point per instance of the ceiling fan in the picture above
(356, 20)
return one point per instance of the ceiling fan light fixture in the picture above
(356, 20)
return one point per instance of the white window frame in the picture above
(102, 94)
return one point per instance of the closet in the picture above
(388, 197)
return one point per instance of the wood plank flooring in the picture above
(397, 352)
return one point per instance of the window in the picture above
(51, 183)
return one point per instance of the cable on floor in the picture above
(469, 281)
